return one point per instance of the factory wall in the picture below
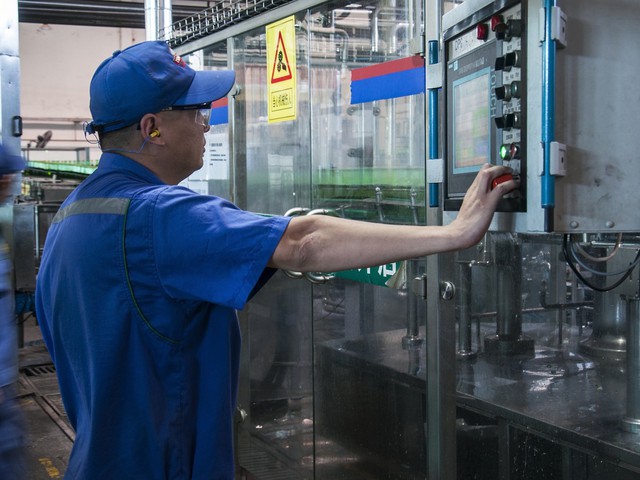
(57, 63)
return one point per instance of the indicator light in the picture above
(496, 20)
(510, 151)
(482, 31)
(514, 151)
(505, 152)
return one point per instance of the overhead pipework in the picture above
(100, 13)
(157, 18)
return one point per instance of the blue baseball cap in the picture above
(146, 78)
(10, 163)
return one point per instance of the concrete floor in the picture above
(49, 436)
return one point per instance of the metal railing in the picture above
(221, 15)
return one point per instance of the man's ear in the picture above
(149, 126)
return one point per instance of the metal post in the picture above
(508, 339)
(607, 338)
(157, 18)
(441, 335)
(631, 421)
(464, 312)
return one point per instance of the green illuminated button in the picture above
(505, 152)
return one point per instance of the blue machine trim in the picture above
(548, 193)
(434, 188)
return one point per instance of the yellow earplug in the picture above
(155, 133)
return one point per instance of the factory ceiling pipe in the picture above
(102, 13)
(157, 18)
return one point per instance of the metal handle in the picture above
(318, 277)
(313, 277)
(323, 211)
(294, 212)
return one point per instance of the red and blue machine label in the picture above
(219, 112)
(393, 79)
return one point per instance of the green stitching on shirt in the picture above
(133, 297)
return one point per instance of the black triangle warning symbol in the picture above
(281, 69)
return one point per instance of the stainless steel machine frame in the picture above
(495, 362)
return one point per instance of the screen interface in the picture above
(471, 122)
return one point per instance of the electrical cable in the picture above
(613, 253)
(580, 262)
(569, 255)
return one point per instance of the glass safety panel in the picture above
(272, 176)
(368, 163)
(332, 373)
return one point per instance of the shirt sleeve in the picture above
(208, 249)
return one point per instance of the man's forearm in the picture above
(329, 244)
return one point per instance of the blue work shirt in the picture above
(136, 298)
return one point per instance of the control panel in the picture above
(537, 87)
(485, 82)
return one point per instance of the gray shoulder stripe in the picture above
(114, 206)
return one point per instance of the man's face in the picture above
(186, 140)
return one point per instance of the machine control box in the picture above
(514, 97)
(485, 82)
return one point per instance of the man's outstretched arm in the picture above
(324, 243)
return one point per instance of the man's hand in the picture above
(480, 202)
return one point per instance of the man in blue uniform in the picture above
(11, 421)
(140, 278)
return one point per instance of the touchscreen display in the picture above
(471, 122)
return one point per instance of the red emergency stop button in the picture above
(501, 179)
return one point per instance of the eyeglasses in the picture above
(203, 112)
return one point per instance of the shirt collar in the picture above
(115, 161)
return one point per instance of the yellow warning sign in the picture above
(281, 70)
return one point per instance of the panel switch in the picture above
(510, 120)
(482, 31)
(558, 159)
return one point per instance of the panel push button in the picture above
(510, 120)
(501, 179)
(509, 91)
(510, 151)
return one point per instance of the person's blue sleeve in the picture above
(208, 249)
